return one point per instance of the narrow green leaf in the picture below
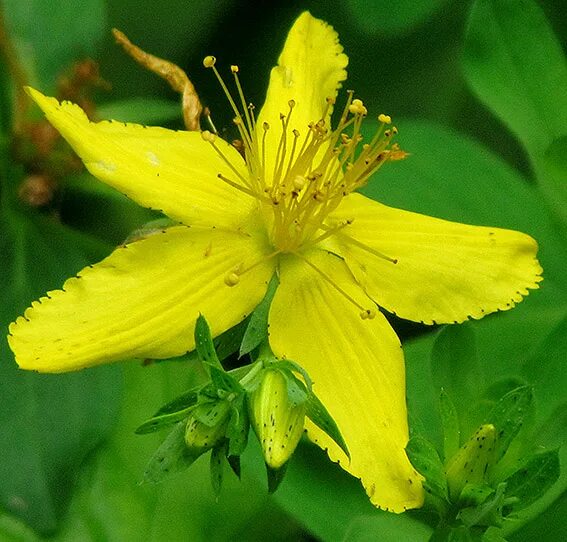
(289, 365)
(257, 329)
(533, 479)
(320, 416)
(238, 427)
(450, 425)
(171, 457)
(509, 415)
(516, 65)
(227, 343)
(212, 413)
(217, 469)
(204, 343)
(145, 110)
(159, 422)
(184, 401)
(224, 381)
(426, 461)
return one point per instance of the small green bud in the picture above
(276, 419)
(206, 426)
(472, 461)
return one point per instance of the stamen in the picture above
(244, 189)
(231, 279)
(385, 119)
(349, 239)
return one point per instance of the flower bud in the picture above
(277, 421)
(471, 462)
(206, 426)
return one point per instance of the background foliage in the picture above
(478, 90)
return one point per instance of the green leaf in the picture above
(426, 461)
(553, 176)
(515, 64)
(319, 415)
(224, 382)
(257, 329)
(37, 255)
(217, 469)
(275, 477)
(204, 343)
(456, 370)
(159, 422)
(171, 457)
(183, 402)
(150, 111)
(475, 494)
(489, 512)
(50, 35)
(378, 17)
(296, 391)
(238, 427)
(532, 480)
(449, 424)
(509, 416)
(212, 413)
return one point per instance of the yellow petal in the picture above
(357, 368)
(310, 70)
(445, 271)
(142, 301)
(175, 172)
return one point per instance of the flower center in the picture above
(298, 177)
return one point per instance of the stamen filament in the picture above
(349, 239)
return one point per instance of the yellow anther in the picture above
(299, 182)
(330, 100)
(208, 136)
(357, 107)
(231, 279)
(209, 61)
(291, 104)
(234, 69)
(386, 119)
(265, 126)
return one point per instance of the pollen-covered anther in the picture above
(357, 107)
(209, 61)
(231, 279)
(207, 136)
(386, 119)
(234, 69)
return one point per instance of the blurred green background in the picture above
(478, 90)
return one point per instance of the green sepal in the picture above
(532, 480)
(508, 416)
(493, 534)
(289, 365)
(172, 456)
(234, 463)
(159, 422)
(425, 459)
(257, 328)
(296, 391)
(275, 477)
(319, 415)
(224, 381)
(489, 513)
(211, 413)
(450, 424)
(217, 469)
(475, 494)
(204, 343)
(238, 427)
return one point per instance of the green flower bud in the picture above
(471, 462)
(206, 426)
(277, 421)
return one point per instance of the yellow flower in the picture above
(289, 208)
